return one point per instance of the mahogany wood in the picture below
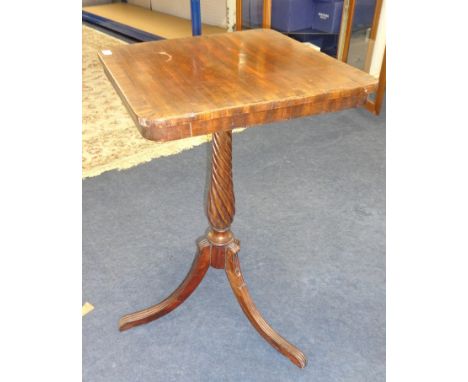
(239, 288)
(193, 86)
(221, 208)
(225, 247)
(184, 290)
(180, 88)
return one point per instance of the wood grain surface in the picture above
(219, 249)
(185, 87)
(200, 265)
(211, 84)
(240, 290)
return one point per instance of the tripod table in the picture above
(185, 87)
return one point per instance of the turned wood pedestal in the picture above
(185, 87)
(219, 249)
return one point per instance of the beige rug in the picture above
(110, 139)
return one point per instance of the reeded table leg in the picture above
(239, 287)
(221, 214)
(192, 280)
(219, 249)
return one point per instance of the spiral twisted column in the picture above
(221, 201)
(219, 250)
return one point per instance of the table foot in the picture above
(219, 250)
(184, 290)
(239, 287)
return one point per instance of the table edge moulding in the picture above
(219, 248)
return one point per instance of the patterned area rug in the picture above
(110, 139)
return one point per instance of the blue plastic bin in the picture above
(294, 15)
(327, 16)
(291, 15)
(363, 12)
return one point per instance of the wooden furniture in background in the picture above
(375, 106)
(266, 23)
(266, 14)
(211, 84)
(373, 34)
(238, 15)
(345, 41)
(348, 17)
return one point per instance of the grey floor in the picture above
(310, 197)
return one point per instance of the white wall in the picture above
(213, 12)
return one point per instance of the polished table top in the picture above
(180, 88)
(191, 86)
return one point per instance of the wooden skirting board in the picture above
(156, 23)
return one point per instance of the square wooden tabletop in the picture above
(191, 86)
